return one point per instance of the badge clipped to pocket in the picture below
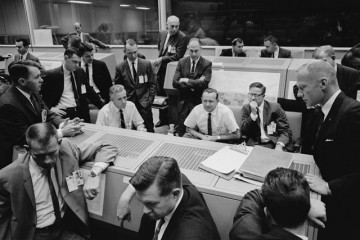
(141, 79)
(169, 49)
(83, 89)
(271, 128)
(78, 177)
(71, 183)
(43, 115)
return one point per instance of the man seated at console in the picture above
(211, 120)
(237, 49)
(265, 123)
(272, 49)
(119, 112)
(174, 209)
(279, 210)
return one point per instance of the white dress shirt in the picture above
(276, 53)
(135, 66)
(67, 99)
(91, 79)
(263, 136)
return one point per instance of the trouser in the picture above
(56, 232)
(163, 113)
(147, 116)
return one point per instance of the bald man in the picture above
(336, 149)
(72, 38)
(348, 78)
(172, 45)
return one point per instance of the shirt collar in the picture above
(66, 72)
(83, 63)
(335, 67)
(196, 61)
(261, 107)
(302, 237)
(25, 55)
(130, 62)
(276, 53)
(168, 217)
(113, 107)
(34, 168)
(24, 93)
(327, 106)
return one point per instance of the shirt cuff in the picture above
(60, 133)
(102, 165)
(281, 144)
(253, 116)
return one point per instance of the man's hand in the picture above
(317, 212)
(254, 107)
(58, 111)
(91, 187)
(184, 80)
(317, 184)
(158, 61)
(123, 211)
(71, 127)
(210, 138)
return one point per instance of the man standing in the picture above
(265, 123)
(22, 46)
(136, 75)
(22, 106)
(236, 50)
(66, 88)
(336, 149)
(172, 46)
(42, 194)
(273, 50)
(84, 37)
(119, 112)
(174, 209)
(211, 120)
(96, 72)
(191, 78)
(348, 78)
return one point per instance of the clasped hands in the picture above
(72, 127)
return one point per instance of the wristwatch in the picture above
(93, 173)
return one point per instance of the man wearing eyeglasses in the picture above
(264, 123)
(236, 50)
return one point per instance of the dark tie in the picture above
(157, 230)
(73, 84)
(193, 67)
(21, 57)
(35, 104)
(273, 55)
(209, 125)
(166, 45)
(87, 71)
(321, 121)
(134, 71)
(54, 197)
(122, 120)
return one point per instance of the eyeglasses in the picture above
(255, 95)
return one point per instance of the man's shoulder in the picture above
(345, 69)
(183, 60)
(143, 61)
(130, 105)
(227, 52)
(57, 70)
(98, 62)
(12, 170)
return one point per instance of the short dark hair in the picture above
(164, 171)
(20, 69)
(236, 40)
(41, 132)
(211, 90)
(24, 41)
(258, 85)
(271, 38)
(286, 195)
(131, 42)
(69, 52)
(85, 47)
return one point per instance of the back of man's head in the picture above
(41, 133)
(325, 53)
(69, 52)
(20, 69)
(286, 195)
(163, 171)
(24, 41)
(271, 38)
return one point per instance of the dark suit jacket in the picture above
(143, 93)
(86, 36)
(53, 88)
(17, 200)
(229, 53)
(178, 44)
(192, 90)
(272, 113)
(250, 221)
(16, 115)
(139, 56)
(337, 154)
(191, 220)
(348, 79)
(102, 78)
(29, 56)
(283, 53)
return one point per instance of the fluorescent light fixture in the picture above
(124, 5)
(80, 2)
(143, 8)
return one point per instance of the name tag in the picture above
(145, 78)
(78, 177)
(43, 115)
(70, 181)
(83, 88)
(169, 48)
(271, 128)
(141, 79)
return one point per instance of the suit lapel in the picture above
(198, 66)
(163, 39)
(188, 66)
(265, 113)
(128, 72)
(26, 101)
(28, 181)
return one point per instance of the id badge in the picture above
(173, 50)
(145, 78)
(83, 88)
(169, 48)
(141, 79)
(78, 176)
(43, 115)
(70, 181)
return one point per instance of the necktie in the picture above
(35, 104)
(321, 121)
(273, 55)
(209, 125)
(73, 84)
(157, 230)
(134, 71)
(21, 57)
(122, 120)
(193, 67)
(166, 44)
(87, 71)
(54, 197)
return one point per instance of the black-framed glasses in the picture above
(255, 95)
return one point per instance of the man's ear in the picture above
(26, 147)
(59, 141)
(22, 81)
(323, 82)
(176, 192)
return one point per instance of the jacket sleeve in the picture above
(96, 42)
(282, 126)
(65, 41)
(5, 210)
(248, 126)
(152, 83)
(179, 53)
(176, 80)
(118, 76)
(199, 84)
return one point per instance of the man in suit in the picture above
(269, 213)
(236, 50)
(336, 148)
(84, 37)
(22, 106)
(348, 78)
(191, 78)
(137, 76)
(22, 46)
(265, 123)
(172, 45)
(66, 88)
(273, 50)
(42, 194)
(173, 207)
(96, 72)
